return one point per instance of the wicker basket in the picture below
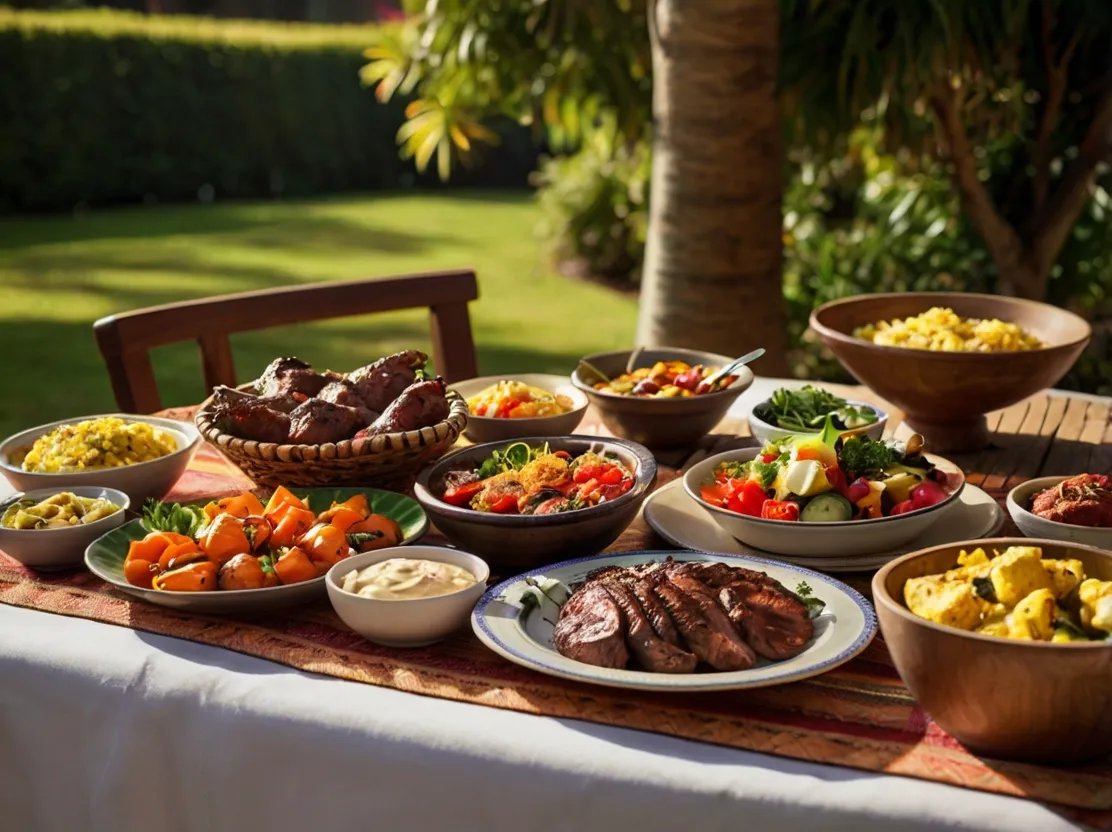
(389, 460)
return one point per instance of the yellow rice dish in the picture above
(96, 444)
(517, 400)
(944, 330)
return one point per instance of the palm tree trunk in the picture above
(712, 277)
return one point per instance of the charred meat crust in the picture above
(420, 405)
(591, 629)
(316, 422)
(674, 613)
(384, 380)
(651, 651)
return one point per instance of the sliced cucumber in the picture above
(827, 508)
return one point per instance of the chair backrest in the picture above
(125, 340)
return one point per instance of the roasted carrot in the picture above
(281, 498)
(199, 576)
(358, 504)
(294, 566)
(179, 554)
(151, 547)
(341, 517)
(292, 526)
(225, 538)
(325, 545)
(140, 572)
(376, 532)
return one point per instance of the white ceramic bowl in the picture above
(139, 481)
(766, 433)
(61, 548)
(481, 429)
(1019, 500)
(414, 623)
(819, 540)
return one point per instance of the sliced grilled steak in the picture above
(711, 637)
(713, 611)
(636, 578)
(647, 647)
(591, 629)
(775, 623)
(717, 575)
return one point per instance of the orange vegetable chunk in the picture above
(179, 554)
(279, 500)
(199, 576)
(140, 572)
(225, 538)
(292, 526)
(294, 566)
(341, 517)
(386, 530)
(242, 572)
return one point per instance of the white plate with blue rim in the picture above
(522, 631)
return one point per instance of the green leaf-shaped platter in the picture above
(105, 557)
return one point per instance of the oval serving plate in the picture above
(842, 631)
(673, 514)
(105, 557)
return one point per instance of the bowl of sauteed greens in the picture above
(793, 412)
(669, 398)
(826, 494)
(523, 503)
(49, 528)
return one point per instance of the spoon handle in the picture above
(729, 370)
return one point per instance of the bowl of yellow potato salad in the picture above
(142, 456)
(1006, 643)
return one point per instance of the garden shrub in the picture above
(107, 106)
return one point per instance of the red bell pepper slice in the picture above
(505, 504)
(747, 498)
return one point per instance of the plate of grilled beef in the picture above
(675, 621)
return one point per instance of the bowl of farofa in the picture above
(945, 384)
(148, 454)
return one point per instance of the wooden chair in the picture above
(125, 340)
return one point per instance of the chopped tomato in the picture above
(562, 454)
(507, 407)
(611, 476)
(461, 495)
(504, 504)
(714, 494)
(902, 508)
(747, 498)
(780, 510)
(612, 492)
(588, 472)
(769, 457)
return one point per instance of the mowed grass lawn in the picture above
(59, 274)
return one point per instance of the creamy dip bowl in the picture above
(410, 622)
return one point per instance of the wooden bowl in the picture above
(945, 395)
(660, 422)
(1015, 700)
(388, 460)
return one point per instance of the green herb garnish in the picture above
(357, 539)
(862, 455)
(173, 517)
(512, 458)
(814, 605)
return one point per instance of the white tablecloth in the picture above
(109, 730)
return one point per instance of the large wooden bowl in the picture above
(1014, 700)
(945, 395)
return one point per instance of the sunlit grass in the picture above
(59, 274)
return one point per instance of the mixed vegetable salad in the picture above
(525, 480)
(805, 410)
(829, 478)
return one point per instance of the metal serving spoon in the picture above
(710, 381)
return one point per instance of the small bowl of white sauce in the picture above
(407, 596)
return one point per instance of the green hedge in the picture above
(106, 106)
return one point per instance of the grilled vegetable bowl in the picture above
(524, 503)
(826, 494)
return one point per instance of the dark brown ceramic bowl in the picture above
(945, 395)
(1015, 700)
(528, 541)
(660, 422)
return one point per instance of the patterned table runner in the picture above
(859, 715)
